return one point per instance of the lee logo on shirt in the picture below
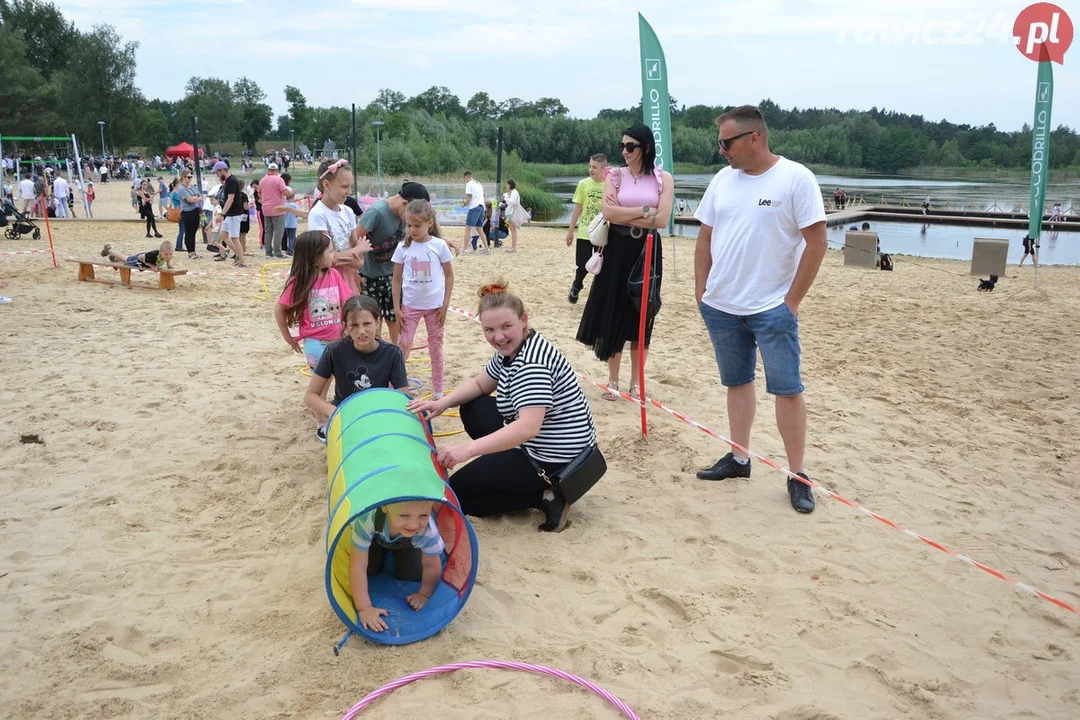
(770, 203)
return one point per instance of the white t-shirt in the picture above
(476, 190)
(60, 189)
(26, 189)
(756, 241)
(339, 223)
(423, 283)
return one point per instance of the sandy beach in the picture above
(162, 549)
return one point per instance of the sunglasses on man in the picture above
(723, 144)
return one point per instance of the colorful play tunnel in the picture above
(377, 452)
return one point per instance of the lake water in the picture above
(926, 240)
(879, 190)
(956, 242)
(929, 240)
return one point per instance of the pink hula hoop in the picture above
(498, 664)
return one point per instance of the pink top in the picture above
(272, 192)
(321, 319)
(646, 191)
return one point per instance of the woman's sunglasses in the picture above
(628, 147)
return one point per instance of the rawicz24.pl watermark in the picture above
(968, 29)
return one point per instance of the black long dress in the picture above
(610, 319)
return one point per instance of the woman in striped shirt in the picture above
(539, 412)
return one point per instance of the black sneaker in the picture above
(726, 467)
(802, 497)
(320, 433)
(573, 296)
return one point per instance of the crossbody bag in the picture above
(577, 477)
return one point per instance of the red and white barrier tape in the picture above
(138, 269)
(25, 252)
(679, 416)
(835, 496)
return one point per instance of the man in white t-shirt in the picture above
(60, 192)
(761, 242)
(474, 217)
(26, 193)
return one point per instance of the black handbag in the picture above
(579, 475)
(636, 282)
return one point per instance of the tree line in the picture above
(55, 79)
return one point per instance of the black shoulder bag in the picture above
(636, 282)
(579, 475)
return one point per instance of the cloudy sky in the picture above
(950, 59)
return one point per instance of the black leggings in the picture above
(190, 219)
(501, 482)
(148, 213)
(408, 564)
(583, 254)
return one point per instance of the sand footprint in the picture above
(732, 661)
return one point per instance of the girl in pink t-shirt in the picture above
(313, 296)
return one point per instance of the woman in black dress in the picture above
(258, 211)
(637, 197)
(146, 207)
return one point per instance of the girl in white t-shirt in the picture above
(423, 281)
(332, 217)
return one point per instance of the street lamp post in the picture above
(101, 126)
(378, 154)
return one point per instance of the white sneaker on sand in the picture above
(5, 300)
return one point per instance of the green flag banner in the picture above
(1040, 146)
(655, 101)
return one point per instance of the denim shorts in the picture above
(475, 217)
(736, 338)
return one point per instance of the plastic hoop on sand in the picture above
(498, 664)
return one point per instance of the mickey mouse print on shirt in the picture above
(359, 378)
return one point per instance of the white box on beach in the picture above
(860, 249)
(988, 256)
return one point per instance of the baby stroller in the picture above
(20, 226)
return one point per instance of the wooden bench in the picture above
(166, 276)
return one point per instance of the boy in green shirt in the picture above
(588, 201)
